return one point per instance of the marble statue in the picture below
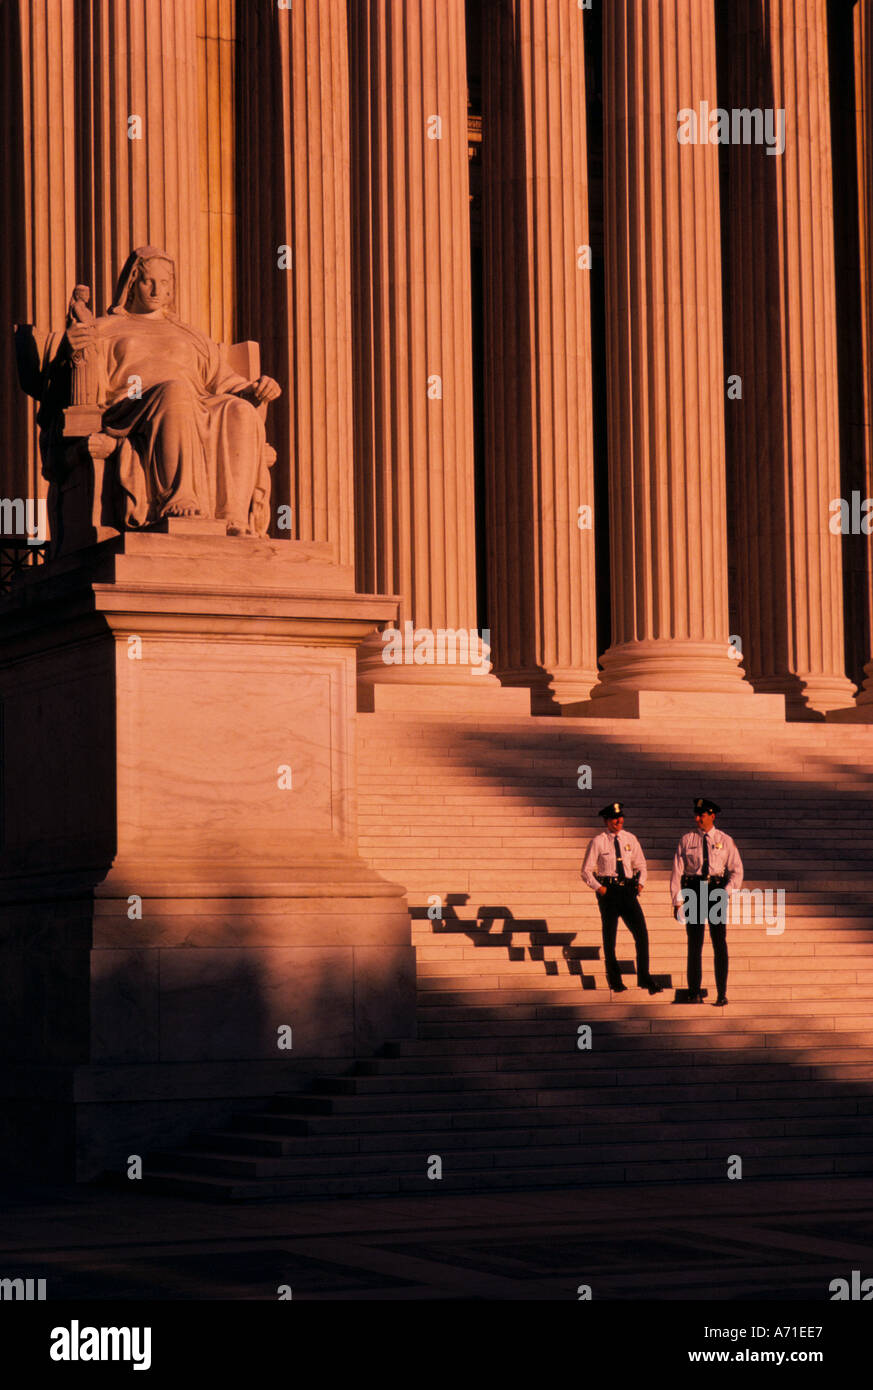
(181, 432)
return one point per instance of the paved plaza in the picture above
(735, 1241)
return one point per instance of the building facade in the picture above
(570, 303)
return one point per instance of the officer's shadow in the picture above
(496, 926)
(541, 941)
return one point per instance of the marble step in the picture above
(554, 990)
(704, 1082)
(603, 1106)
(254, 1166)
(855, 1128)
(625, 1035)
(494, 1019)
(497, 972)
(585, 1068)
(556, 909)
(494, 954)
(513, 1177)
(674, 1052)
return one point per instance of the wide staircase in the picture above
(526, 1071)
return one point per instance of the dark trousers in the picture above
(718, 936)
(623, 902)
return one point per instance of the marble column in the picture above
(295, 252)
(37, 205)
(216, 103)
(783, 433)
(138, 142)
(864, 105)
(413, 333)
(665, 371)
(863, 17)
(539, 434)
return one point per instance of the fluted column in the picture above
(294, 257)
(539, 434)
(784, 433)
(864, 130)
(37, 207)
(664, 350)
(138, 142)
(413, 328)
(216, 98)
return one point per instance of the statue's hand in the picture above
(266, 389)
(81, 335)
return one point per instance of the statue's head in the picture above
(147, 283)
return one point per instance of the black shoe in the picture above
(651, 984)
(697, 998)
(617, 989)
(721, 1001)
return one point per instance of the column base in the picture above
(851, 714)
(418, 669)
(551, 690)
(678, 704)
(861, 712)
(673, 678)
(810, 697)
(471, 697)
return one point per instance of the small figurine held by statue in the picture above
(85, 380)
(156, 402)
(78, 309)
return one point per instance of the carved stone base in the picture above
(179, 881)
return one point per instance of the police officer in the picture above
(615, 867)
(706, 869)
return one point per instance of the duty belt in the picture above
(613, 880)
(714, 880)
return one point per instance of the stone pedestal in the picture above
(178, 873)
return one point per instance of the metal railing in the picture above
(17, 556)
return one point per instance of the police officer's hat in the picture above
(703, 804)
(615, 808)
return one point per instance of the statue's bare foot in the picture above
(182, 509)
(236, 528)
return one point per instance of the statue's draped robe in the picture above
(185, 441)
